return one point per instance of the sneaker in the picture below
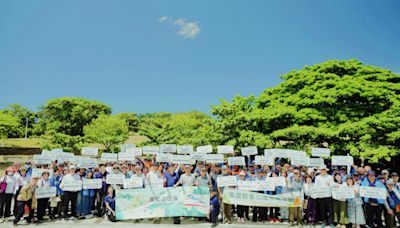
(213, 224)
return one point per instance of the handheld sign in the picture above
(72, 185)
(316, 162)
(204, 149)
(239, 160)
(198, 156)
(181, 159)
(264, 160)
(92, 183)
(135, 151)
(45, 192)
(225, 149)
(133, 182)
(373, 192)
(277, 181)
(342, 160)
(123, 147)
(214, 158)
(115, 179)
(90, 151)
(320, 152)
(86, 162)
(42, 159)
(300, 161)
(126, 156)
(247, 151)
(152, 150)
(163, 158)
(343, 193)
(185, 149)
(109, 157)
(320, 192)
(168, 148)
(64, 156)
(225, 181)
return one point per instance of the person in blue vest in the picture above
(214, 208)
(394, 204)
(373, 207)
(88, 196)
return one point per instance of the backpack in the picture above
(3, 185)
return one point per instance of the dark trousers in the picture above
(241, 210)
(373, 215)
(273, 212)
(21, 211)
(42, 204)
(5, 204)
(100, 203)
(70, 197)
(214, 214)
(15, 201)
(311, 211)
(326, 209)
(259, 214)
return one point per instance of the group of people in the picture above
(18, 186)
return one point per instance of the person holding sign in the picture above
(70, 196)
(324, 180)
(43, 203)
(88, 196)
(394, 204)
(296, 184)
(310, 202)
(373, 207)
(260, 213)
(339, 205)
(355, 210)
(240, 208)
(226, 208)
(25, 198)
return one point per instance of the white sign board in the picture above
(255, 185)
(64, 156)
(126, 156)
(163, 157)
(45, 192)
(373, 192)
(151, 150)
(225, 149)
(287, 153)
(214, 158)
(154, 183)
(247, 151)
(239, 160)
(321, 152)
(38, 172)
(86, 162)
(109, 157)
(123, 147)
(342, 160)
(115, 179)
(133, 182)
(185, 149)
(204, 149)
(341, 193)
(198, 156)
(168, 148)
(136, 151)
(92, 183)
(224, 181)
(71, 185)
(264, 160)
(320, 192)
(181, 159)
(300, 161)
(42, 159)
(316, 162)
(277, 181)
(90, 151)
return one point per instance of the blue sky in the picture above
(175, 56)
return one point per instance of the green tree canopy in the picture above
(107, 130)
(131, 119)
(25, 116)
(8, 124)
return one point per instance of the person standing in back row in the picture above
(70, 196)
(324, 180)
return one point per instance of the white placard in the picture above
(204, 149)
(316, 162)
(257, 185)
(300, 161)
(263, 160)
(90, 151)
(277, 181)
(123, 147)
(181, 159)
(320, 152)
(185, 149)
(92, 183)
(163, 157)
(343, 192)
(64, 156)
(373, 192)
(115, 178)
(38, 172)
(342, 160)
(224, 181)
(287, 153)
(136, 151)
(71, 185)
(198, 156)
(155, 183)
(42, 159)
(57, 150)
(238, 160)
(126, 156)
(168, 148)
(109, 157)
(225, 149)
(152, 150)
(45, 192)
(133, 182)
(250, 150)
(214, 158)
(320, 192)
(269, 153)
(87, 162)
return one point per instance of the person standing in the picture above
(8, 186)
(296, 184)
(339, 205)
(25, 198)
(214, 208)
(43, 203)
(70, 196)
(226, 208)
(102, 192)
(355, 210)
(311, 211)
(324, 180)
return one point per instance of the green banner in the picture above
(247, 198)
(162, 202)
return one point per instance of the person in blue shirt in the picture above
(55, 181)
(88, 196)
(109, 201)
(171, 177)
(214, 208)
(394, 204)
(102, 192)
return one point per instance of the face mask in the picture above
(27, 166)
(10, 173)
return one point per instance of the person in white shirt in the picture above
(6, 195)
(42, 203)
(324, 180)
(186, 179)
(70, 196)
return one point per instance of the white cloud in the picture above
(187, 29)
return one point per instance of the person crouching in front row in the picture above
(214, 208)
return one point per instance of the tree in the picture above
(26, 119)
(62, 120)
(131, 119)
(107, 130)
(8, 124)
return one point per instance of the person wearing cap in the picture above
(186, 179)
(395, 178)
(226, 208)
(124, 171)
(373, 207)
(241, 209)
(394, 204)
(324, 180)
(170, 177)
(203, 180)
(260, 213)
(296, 184)
(385, 174)
(70, 196)
(214, 208)
(6, 194)
(26, 198)
(102, 192)
(22, 179)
